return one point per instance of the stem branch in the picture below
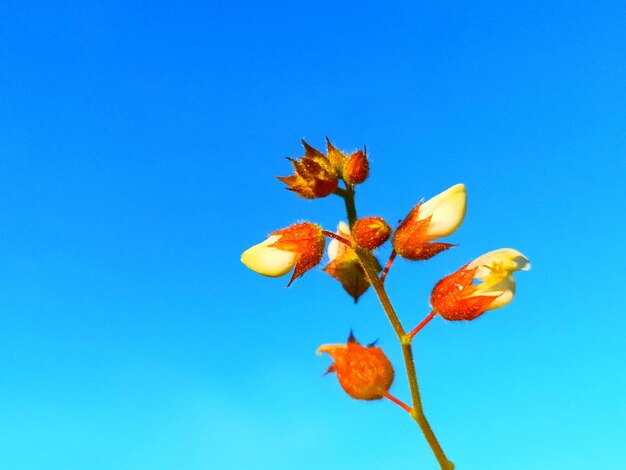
(400, 403)
(337, 237)
(392, 257)
(422, 324)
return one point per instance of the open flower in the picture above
(436, 218)
(300, 246)
(458, 297)
(364, 372)
(314, 175)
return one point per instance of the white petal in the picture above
(503, 287)
(267, 260)
(500, 263)
(334, 246)
(342, 227)
(447, 210)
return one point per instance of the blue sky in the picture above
(139, 146)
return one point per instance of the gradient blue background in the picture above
(138, 147)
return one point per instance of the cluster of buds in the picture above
(302, 245)
(316, 175)
(484, 284)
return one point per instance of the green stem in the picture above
(369, 265)
(417, 413)
(348, 197)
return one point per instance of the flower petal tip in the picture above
(268, 261)
(328, 348)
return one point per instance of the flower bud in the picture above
(370, 232)
(300, 246)
(356, 169)
(364, 372)
(435, 218)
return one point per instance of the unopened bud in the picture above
(356, 169)
(436, 218)
(299, 245)
(370, 232)
(364, 372)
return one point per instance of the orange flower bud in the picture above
(356, 168)
(364, 372)
(314, 175)
(300, 245)
(438, 217)
(370, 232)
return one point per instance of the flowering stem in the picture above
(417, 412)
(422, 324)
(369, 266)
(337, 237)
(392, 257)
(400, 403)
